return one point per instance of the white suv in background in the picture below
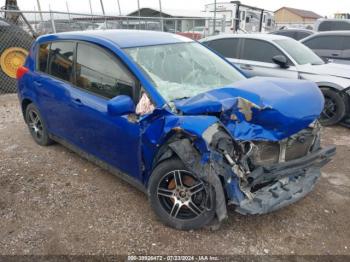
(280, 56)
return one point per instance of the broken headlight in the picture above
(294, 147)
(210, 132)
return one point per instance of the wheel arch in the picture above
(165, 151)
(344, 92)
(330, 85)
(24, 105)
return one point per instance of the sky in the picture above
(322, 7)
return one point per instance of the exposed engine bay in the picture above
(269, 175)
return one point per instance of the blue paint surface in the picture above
(284, 108)
(281, 107)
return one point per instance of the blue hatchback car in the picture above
(176, 120)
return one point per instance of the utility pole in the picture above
(139, 11)
(214, 26)
(39, 8)
(103, 9)
(68, 10)
(90, 7)
(120, 11)
(161, 16)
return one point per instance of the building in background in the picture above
(186, 20)
(297, 18)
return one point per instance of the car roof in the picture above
(333, 33)
(294, 29)
(122, 38)
(326, 33)
(266, 37)
(333, 20)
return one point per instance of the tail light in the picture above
(21, 71)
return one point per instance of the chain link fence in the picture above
(18, 30)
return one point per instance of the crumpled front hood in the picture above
(260, 108)
(330, 69)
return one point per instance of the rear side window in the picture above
(43, 56)
(333, 26)
(258, 50)
(99, 72)
(331, 42)
(226, 47)
(60, 62)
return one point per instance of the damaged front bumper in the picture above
(292, 181)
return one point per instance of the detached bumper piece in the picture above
(293, 180)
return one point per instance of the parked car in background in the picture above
(181, 123)
(280, 56)
(323, 24)
(330, 45)
(195, 33)
(45, 27)
(294, 33)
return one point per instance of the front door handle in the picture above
(77, 101)
(38, 83)
(335, 54)
(246, 67)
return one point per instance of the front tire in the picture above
(37, 126)
(334, 109)
(179, 198)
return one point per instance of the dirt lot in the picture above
(54, 202)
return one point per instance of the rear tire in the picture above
(335, 107)
(37, 126)
(179, 198)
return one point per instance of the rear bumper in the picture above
(293, 180)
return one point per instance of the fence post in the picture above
(223, 24)
(52, 22)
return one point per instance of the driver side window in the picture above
(252, 50)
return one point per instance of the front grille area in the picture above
(297, 146)
(265, 153)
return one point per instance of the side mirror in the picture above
(280, 60)
(120, 105)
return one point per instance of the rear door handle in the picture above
(246, 67)
(335, 54)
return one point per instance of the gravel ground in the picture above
(54, 202)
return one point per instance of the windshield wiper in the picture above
(180, 98)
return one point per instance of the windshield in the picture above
(184, 69)
(299, 52)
